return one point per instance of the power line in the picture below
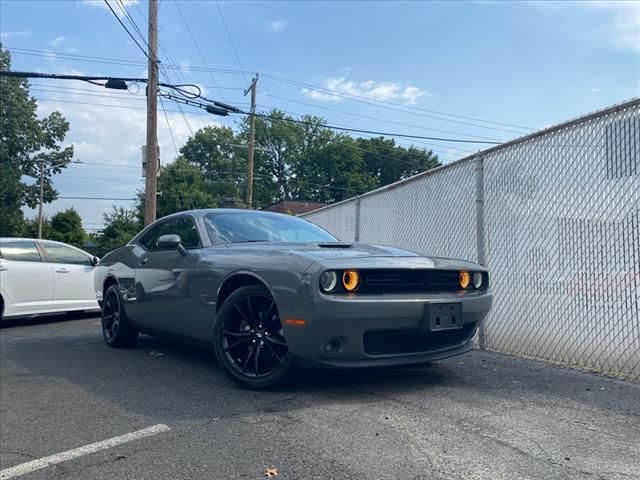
(119, 61)
(166, 117)
(374, 132)
(411, 110)
(387, 121)
(126, 29)
(373, 101)
(186, 24)
(231, 41)
(161, 68)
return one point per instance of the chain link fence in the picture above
(555, 216)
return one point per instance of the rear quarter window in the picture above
(20, 252)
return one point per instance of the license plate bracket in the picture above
(444, 316)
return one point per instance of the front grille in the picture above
(389, 342)
(408, 281)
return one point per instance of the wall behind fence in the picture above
(561, 232)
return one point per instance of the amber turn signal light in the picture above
(351, 280)
(464, 279)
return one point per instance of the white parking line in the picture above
(80, 451)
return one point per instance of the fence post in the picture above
(357, 225)
(478, 163)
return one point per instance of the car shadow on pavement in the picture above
(45, 318)
(164, 378)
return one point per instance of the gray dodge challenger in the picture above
(269, 292)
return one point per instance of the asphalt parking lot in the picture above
(482, 415)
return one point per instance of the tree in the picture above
(121, 225)
(339, 172)
(294, 159)
(26, 144)
(66, 226)
(182, 186)
(388, 162)
(214, 151)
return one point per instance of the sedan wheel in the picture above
(116, 330)
(249, 340)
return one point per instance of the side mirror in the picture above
(95, 261)
(170, 241)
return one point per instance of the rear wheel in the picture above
(116, 329)
(249, 341)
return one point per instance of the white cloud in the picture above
(276, 26)
(619, 21)
(384, 91)
(111, 135)
(9, 35)
(114, 5)
(58, 40)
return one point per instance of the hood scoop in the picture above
(341, 245)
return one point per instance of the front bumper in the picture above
(380, 330)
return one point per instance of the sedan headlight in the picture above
(478, 280)
(351, 280)
(328, 281)
(464, 279)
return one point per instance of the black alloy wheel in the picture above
(116, 330)
(249, 339)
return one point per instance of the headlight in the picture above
(464, 279)
(328, 281)
(351, 280)
(478, 280)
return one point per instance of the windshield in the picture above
(251, 226)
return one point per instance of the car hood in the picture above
(358, 255)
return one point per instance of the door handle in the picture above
(144, 260)
(3, 269)
(62, 270)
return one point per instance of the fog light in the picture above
(332, 346)
(478, 280)
(464, 279)
(328, 281)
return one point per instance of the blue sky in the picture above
(530, 64)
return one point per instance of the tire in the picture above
(116, 329)
(248, 340)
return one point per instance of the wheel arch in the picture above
(237, 280)
(108, 281)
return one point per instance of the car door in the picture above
(73, 277)
(163, 295)
(26, 281)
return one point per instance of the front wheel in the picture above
(116, 329)
(249, 341)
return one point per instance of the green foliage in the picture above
(26, 144)
(182, 186)
(66, 226)
(121, 225)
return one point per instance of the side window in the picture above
(20, 252)
(150, 238)
(185, 227)
(62, 254)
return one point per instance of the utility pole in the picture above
(252, 138)
(41, 199)
(152, 118)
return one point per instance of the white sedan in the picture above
(43, 276)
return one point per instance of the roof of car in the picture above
(204, 211)
(25, 239)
